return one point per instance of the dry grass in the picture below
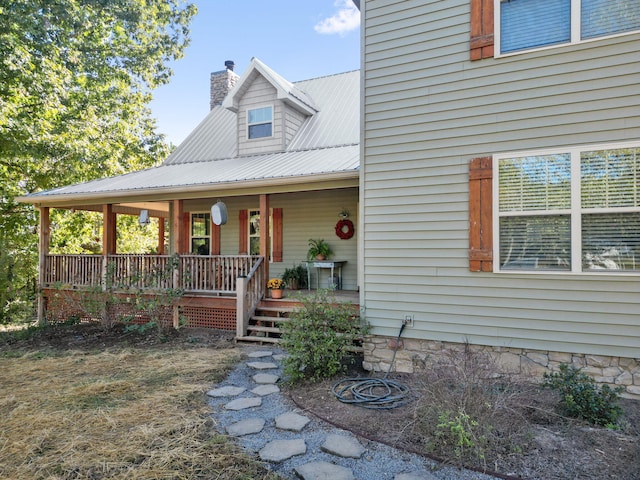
(119, 414)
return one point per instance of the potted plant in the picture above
(318, 250)
(295, 277)
(276, 287)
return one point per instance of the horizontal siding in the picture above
(259, 94)
(428, 110)
(306, 215)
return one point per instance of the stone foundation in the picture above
(412, 356)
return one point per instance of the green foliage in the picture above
(581, 397)
(460, 432)
(295, 277)
(318, 247)
(75, 82)
(317, 337)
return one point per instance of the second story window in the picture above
(529, 24)
(260, 122)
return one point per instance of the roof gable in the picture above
(285, 90)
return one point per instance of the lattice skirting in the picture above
(209, 317)
(65, 305)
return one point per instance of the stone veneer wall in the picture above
(413, 356)
(221, 83)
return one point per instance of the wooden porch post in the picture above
(264, 231)
(43, 251)
(178, 230)
(160, 236)
(108, 230)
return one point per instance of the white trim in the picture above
(576, 32)
(575, 211)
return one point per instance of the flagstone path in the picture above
(248, 405)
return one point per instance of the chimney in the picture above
(222, 82)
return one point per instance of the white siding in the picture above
(306, 215)
(428, 110)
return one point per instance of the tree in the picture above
(75, 82)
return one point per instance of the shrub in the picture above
(317, 337)
(581, 397)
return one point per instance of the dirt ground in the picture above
(550, 447)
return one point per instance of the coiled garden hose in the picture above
(374, 393)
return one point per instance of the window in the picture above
(527, 24)
(201, 233)
(260, 122)
(572, 210)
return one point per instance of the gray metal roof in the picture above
(327, 145)
(296, 166)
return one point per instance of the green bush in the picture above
(581, 397)
(317, 337)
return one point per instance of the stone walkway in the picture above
(248, 405)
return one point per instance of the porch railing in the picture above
(250, 290)
(191, 273)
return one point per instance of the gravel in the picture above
(379, 462)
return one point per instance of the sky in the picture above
(299, 40)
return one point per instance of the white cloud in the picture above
(346, 19)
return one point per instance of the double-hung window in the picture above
(568, 210)
(201, 233)
(527, 24)
(260, 122)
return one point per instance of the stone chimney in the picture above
(222, 82)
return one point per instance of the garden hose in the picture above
(374, 393)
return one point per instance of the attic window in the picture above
(260, 122)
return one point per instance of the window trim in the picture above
(576, 30)
(271, 106)
(575, 211)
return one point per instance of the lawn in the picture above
(134, 408)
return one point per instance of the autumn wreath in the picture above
(344, 229)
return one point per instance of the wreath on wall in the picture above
(344, 229)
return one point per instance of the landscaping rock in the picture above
(323, 471)
(246, 427)
(280, 450)
(243, 403)
(292, 421)
(342, 446)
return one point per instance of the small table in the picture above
(328, 264)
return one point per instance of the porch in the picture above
(203, 291)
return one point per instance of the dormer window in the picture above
(260, 122)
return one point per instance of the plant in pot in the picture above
(276, 287)
(295, 277)
(318, 250)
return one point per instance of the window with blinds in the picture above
(576, 210)
(528, 24)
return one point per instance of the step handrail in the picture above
(250, 289)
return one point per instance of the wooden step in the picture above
(259, 318)
(282, 309)
(259, 328)
(248, 338)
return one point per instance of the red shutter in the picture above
(480, 215)
(243, 232)
(215, 239)
(481, 41)
(277, 235)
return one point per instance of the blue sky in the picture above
(298, 39)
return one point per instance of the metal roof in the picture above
(294, 167)
(326, 145)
